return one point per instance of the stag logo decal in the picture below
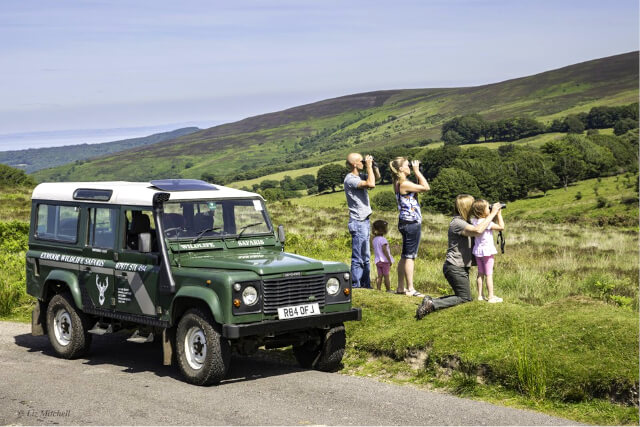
(102, 288)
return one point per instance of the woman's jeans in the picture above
(360, 253)
(458, 278)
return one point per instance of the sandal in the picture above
(416, 294)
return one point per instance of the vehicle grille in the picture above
(292, 291)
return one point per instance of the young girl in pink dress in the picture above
(484, 249)
(383, 258)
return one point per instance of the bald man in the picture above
(355, 188)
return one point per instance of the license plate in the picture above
(298, 311)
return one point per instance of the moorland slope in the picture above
(324, 131)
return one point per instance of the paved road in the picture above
(125, 383)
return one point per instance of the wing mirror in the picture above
(281, 234)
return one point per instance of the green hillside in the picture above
(35, 159)
(325, 131)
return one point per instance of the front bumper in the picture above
(278, 326)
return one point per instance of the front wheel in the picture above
(325, 355)
(67, 327)
(203, 354)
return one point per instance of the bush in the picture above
(330, 176)
(629, 201)
(12, 176)
(624, 125)
(13, 244)
(273, 194)
(602, 202)
(14, 236)
(446, 186)
(384, 201)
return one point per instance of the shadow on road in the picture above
(134, 358)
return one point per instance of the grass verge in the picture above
(575, 358)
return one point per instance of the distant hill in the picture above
(325, 131)
(35, 159)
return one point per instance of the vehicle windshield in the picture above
(203, 219)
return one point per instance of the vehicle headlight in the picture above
(249, 295)
(333, 286)
(346, 276)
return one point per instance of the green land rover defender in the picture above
(198, 265)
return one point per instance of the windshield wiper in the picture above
(247, 226)
(202, 232)
(176, 230)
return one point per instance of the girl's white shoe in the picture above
(494, 299)
(480, 298)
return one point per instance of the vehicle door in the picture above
(137, 271)
(98, 257)
(55, 243)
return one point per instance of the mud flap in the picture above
(168, 338)
(38, 319)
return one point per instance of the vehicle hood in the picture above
(261, 262)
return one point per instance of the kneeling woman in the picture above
(459, 255)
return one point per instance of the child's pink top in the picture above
(484, 244)
(378, 243)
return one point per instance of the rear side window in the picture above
(58, 223)
(102, 227)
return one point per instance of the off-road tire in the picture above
(217, 356)
(77, 341)
(325, 356)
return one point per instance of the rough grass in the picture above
(565, 340)
(15, 203)
(542, 262)
(599, 201)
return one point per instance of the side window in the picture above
(102, 228)
(139, 222)
(55, 222)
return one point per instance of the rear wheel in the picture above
(325, 355)
(67, 327)
(203, 354)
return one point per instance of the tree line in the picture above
(286, 188)
(512, 171)
(506, 174)
(470, 129)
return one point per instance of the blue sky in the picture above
(123, 64)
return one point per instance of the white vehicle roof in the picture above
(139, 193)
